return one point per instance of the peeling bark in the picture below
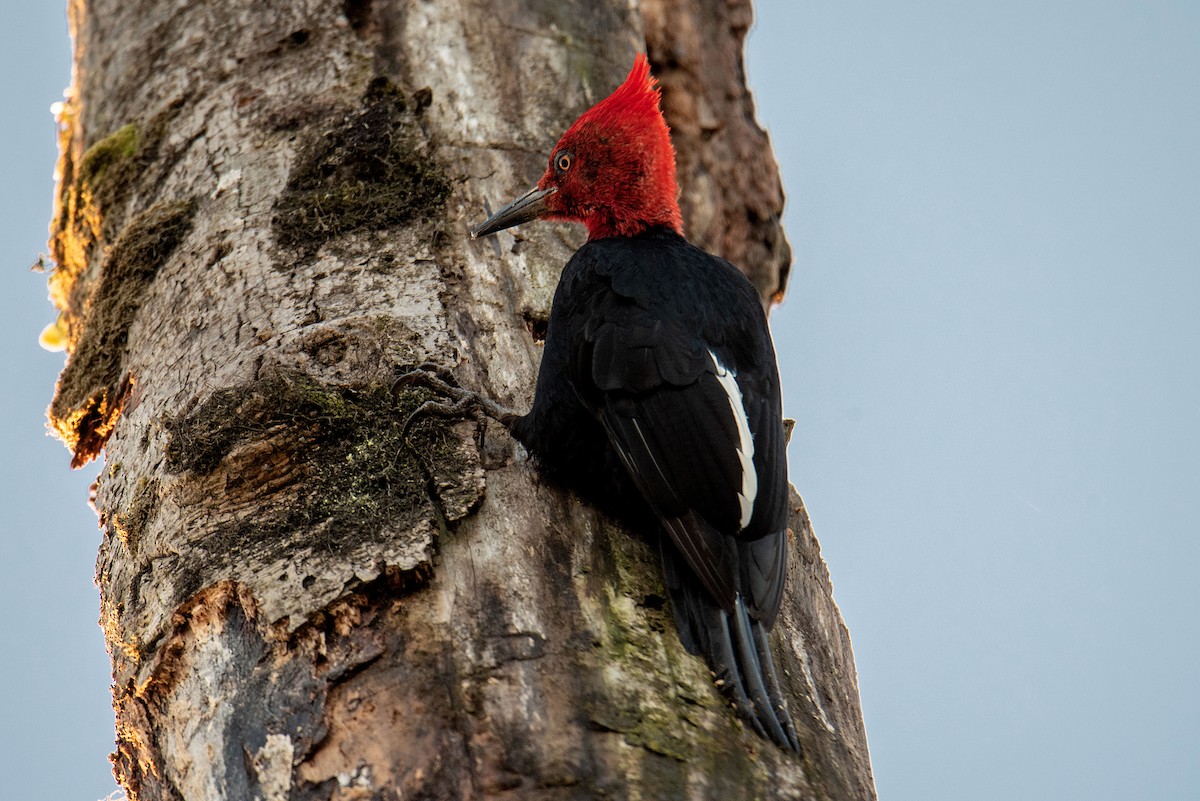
(262, 216)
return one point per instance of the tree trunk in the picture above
(262, 216)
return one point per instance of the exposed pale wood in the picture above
(263, 214)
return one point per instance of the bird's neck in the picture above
(605, 223)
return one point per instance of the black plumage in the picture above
(658, 360)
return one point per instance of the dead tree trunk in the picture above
(262, 215)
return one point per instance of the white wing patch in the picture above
(745, 449)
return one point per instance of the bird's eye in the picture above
(562, 162)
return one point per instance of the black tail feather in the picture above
(773, 692)
(724, 662)
(751, 658)
(737, 651)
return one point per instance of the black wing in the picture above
(695, 416)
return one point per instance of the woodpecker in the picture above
(658, 368)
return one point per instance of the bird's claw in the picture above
(462, 401)
(430, 374)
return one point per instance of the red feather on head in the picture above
(618, 174)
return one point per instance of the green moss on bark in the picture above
(93, 195)
(368, 171)
(356, 474)
(93, 386)
(110, 151)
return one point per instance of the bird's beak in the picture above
(528, 206)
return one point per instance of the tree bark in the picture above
(262, 215)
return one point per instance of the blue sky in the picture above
(989, 344)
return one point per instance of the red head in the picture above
(613, 170)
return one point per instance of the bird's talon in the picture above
(430, 375)
(460, 401)
(439, 370)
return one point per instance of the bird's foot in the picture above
(461, 402)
